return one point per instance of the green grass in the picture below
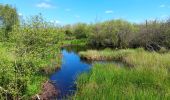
(149, 79)
(148, 59)
(106, 54)
(35, 84)
(74, 42)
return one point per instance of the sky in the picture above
(90, 11)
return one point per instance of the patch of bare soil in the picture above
(49, 92)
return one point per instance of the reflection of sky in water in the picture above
(65, 77)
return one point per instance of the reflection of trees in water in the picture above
(86, 61)
(76, 48)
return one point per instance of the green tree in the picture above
(8, 18)
(114, 33)
(80, 30)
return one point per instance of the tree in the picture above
(150, 35)
(166, 33)
(8, 18)
(114, 33)
(80, 30)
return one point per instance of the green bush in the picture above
(151, 35)
(26, 57)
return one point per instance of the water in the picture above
(71, 67)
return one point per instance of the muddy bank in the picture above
(49, 92)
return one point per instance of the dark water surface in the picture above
(71, 67)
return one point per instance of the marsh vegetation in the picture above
(144, 76)
(31, 51)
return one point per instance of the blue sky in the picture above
(72, 11)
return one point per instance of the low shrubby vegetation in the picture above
(30, 51)
(148, 79)
(151, 35)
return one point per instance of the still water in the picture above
(71, 67)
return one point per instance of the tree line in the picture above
(152, 35)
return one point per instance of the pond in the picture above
(71, 67)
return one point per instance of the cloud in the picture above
(77, 16)
(109, 12)
(44, 5)
(20, 14)
(55, 21)
(164, 16)
(162, 6)
(67, 9)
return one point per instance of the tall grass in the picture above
(149, 79)
(148, 59)
(106, 54)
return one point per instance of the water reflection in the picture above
(71, 66)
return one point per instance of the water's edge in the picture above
(64, 79)
(72, 66)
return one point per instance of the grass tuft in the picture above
(149, 79)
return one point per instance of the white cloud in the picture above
(44, 5)
(109, 12)
(67, 9)
(162, 6)
(55, 21)
(20, 14)
(164, 16)
(77, 16)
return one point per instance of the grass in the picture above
(132, 57)
(106, 54)
(82, 42)
(35, 84)
(149, 79)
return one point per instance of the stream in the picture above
(71, 67)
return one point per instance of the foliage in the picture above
(114, 33)
(152, 35)
(34, 47)
(80, 30)
(8, 18)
